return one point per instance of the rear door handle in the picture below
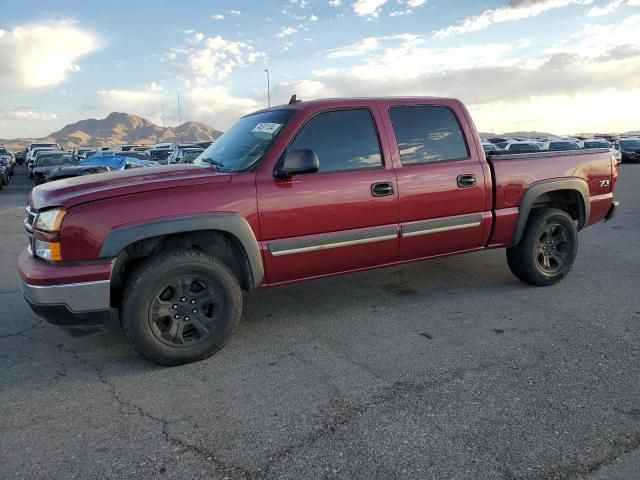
(383, 189)
(466, 181)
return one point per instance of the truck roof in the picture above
(337, 102)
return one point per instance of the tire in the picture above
(161, 295)
(4, 180)
(547, 249)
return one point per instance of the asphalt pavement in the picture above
(445, 369)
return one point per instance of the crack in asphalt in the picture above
(621, 447)
(208, 456)
(24, 330)
(347, 412)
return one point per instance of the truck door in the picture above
(341, 218)
(443, 183)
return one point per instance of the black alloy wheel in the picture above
(185, 310)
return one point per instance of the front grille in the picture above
(29, 221)
(28, 228)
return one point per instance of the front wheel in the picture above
(181, 306)
(547, 250)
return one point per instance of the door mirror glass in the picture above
(297, 162)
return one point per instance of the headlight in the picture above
(50, 220)
(48, 250)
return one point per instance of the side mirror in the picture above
(297, 162)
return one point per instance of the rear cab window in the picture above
(343, 140)
(428, 134)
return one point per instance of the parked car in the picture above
(81, 152)
(205, 144)
(560, 145)
(629, 149)
(160, 155)
(117, 162)
(5, 176)
(21, 157)
(75, 171)
(8, 159)
(590, 143)
(594, 143)
(489, 147)
(184, 155)
(128, 153)
(32, 156)
(169, 250)
(47, 161)
(522, 146)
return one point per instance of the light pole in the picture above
(180, 117)
(268, 88)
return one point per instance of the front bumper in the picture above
(67, 296)
(73, 304)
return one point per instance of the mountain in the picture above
(120, 128)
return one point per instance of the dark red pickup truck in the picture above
(291, 193)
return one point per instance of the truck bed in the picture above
(514, 173)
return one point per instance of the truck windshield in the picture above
(55, 160)
(246, 142)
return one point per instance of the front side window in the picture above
(428, 134)
(342, 140)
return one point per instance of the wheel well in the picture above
(568, 200)
(222, 245)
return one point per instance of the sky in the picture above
(564, 66)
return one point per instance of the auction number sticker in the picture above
(266, 128)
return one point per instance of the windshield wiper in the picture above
(213, 162)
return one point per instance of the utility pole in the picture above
(268, 88)
(180, 117)
(163, 125)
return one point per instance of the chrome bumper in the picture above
(77, 297)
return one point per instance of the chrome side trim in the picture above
(78, 297)
(332, 240)
(428, 227)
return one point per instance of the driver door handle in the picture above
(466, 181)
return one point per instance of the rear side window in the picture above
(342, 139)
(428, 134)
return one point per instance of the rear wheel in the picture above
(547, 250)
(4, 179)
(181, 306)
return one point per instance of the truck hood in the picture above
(78, 190)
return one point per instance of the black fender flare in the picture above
(119, 239)
(546, 186)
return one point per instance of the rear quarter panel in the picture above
(513, 176)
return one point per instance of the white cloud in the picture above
(235, 12)
(217, 17)
(335, 3)
(286, 31)
(366, 8)
(212, 58)
(367, 45)
(28, 114)
(515, 10)
(606, 10)
(42, 54)
(313, 18)
(416, 3)
(216, 107)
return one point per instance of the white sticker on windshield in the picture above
(266, 128)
